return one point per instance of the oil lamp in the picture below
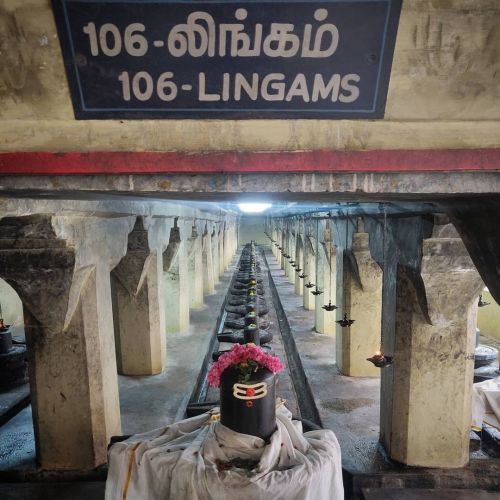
(482, 303)
(297, 269)
(380, 360)
(310, 285)
(329, 307)
(345, 322)
(302, 276)
(317, 291)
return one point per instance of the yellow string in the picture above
(129, 471)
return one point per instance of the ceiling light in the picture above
(254, 208)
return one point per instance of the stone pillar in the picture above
(290, 271)
(215, 254)
(207, 263)
(299, 260)
(234, 239)
(284, 247)
(139, 301)
(434, 358)
(274, 236)
(362, 301)
(324, 321)
(222, 267)
(61, 271)
(195, 271)
(228, 245)
(309, 271)
(175, 267)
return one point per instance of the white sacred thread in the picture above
(240, 391)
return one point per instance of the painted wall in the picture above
(488, 318)
(252, 228)
(445, 80)
(12, 308)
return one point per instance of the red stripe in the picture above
(447, 160)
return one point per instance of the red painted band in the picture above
(103, 162)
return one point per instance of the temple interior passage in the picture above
(249, 249)
(117, 313)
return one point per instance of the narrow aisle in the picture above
(349, 406)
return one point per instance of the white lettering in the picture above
(240, 83)
(202, 95)
(279, 88)
(353, 91)
(324, 91)
(298, 89)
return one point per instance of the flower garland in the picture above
(247, 358)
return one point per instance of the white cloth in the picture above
(486, 403)
(179, 462)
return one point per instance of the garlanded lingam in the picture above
(246, 377)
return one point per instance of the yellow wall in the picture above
(488, 318)
(444, 83)
(12, 308)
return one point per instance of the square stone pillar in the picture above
(195, 272)
(299, 261)
(310, 272)
(175, 266)
(139, 302)
(207, 264)
(215, 255)
(361, 288)
(227, 245)
(274, 236)
(284, 249)
(290, 271)
(61, 273)
(426, 393)
(222, 267)
(324, 321)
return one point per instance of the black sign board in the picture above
(228, 58)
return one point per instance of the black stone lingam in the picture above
(251, 334)
(250, 407)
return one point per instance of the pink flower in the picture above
(239, 353)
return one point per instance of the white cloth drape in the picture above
(486, 403)
(180, 462)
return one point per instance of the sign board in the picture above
(228, 58)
